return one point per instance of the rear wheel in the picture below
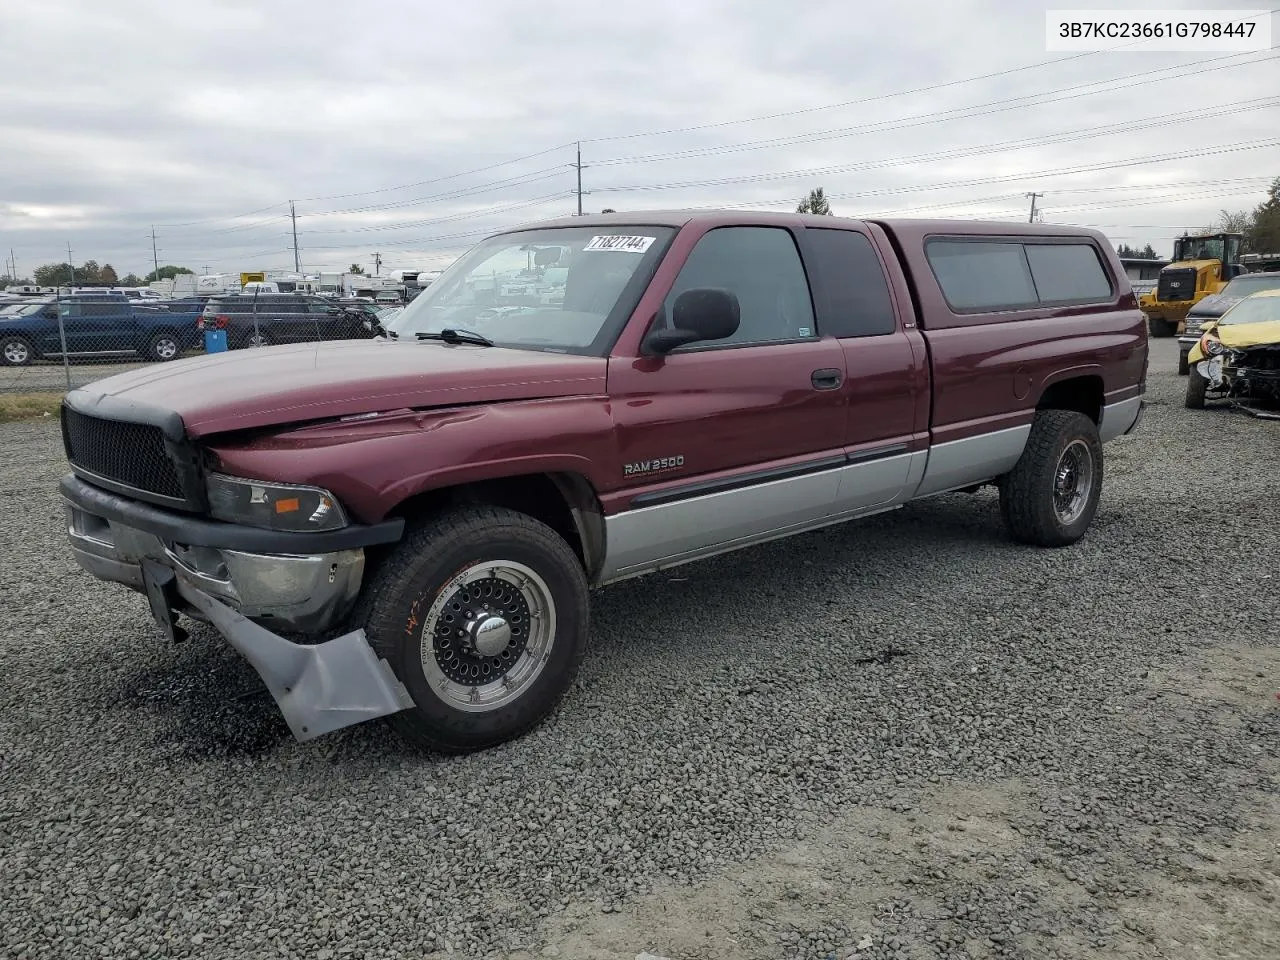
(482, 613)
(164, 346)
(16, 351)
(1050, 496)
(1197, 385)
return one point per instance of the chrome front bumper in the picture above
(318, 687)
(304, 594)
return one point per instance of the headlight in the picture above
(275, 506)
(1211, 345)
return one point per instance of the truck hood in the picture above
(243, 389)
(1241, 336)
(1214, 305)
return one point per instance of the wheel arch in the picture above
(565, 501)
(1080, 389)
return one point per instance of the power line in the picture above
(407, 224)
(897, 161)
(824, 107)
(860, 101)
(1001, 105)
(194, 223)
(452, 176)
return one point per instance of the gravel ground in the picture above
(903, 738)
(51, 375)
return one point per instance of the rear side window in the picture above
(851, 294)
(982, 275)
(978, 275)
(1067, 273)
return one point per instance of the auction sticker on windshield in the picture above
(627, 244)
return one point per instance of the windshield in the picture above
(1198, 248)
(565, 289)
(1243, 286)
(1253, 310)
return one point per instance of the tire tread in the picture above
(1025, 505)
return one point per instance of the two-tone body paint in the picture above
(755, 445)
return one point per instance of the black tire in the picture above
(16, 351)
(163, 347)
(396, 607)
(1161, 328)
(1029, 492)
(1184, 366)
(1196, 387)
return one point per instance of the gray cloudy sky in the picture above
(205, 117)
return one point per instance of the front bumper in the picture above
(319, 687)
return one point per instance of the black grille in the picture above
(130, 454)
(1176, 285)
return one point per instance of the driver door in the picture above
(729, 440)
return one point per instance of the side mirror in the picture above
(700, 314)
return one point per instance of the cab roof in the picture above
(904, 227)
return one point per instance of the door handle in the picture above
(828, 378)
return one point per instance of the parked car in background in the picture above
(1214, 306)
(93, 325)
(270, 318)
(1237, 357)
(429, 510)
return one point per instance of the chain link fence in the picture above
(56, 343)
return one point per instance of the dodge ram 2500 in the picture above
(409, 526)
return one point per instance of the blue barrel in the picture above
(215, 341)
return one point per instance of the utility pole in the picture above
(155, 257)
(71, 266)
(579, 167)
(377, 264)
(13, 265)
(1032, 218)
(293, 215)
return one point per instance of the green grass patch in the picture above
(29, 406)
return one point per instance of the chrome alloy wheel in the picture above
(1073, 482)
(488, 635)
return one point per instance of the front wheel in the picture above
(1050, 496)
(1184, 366)
(1157, 327)
(482, 613)
(1197, 386)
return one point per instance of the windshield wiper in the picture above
(449, 335)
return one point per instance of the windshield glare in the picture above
(1253, 310)
(553, 289)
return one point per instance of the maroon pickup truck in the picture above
(409, 526)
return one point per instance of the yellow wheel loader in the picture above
(1202, 265)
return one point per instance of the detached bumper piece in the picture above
(319, 688)
(304, 583)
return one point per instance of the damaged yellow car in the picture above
(1237, 358)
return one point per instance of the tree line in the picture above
(89, 274)
(1260, 226)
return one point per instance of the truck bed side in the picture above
(992, 370)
